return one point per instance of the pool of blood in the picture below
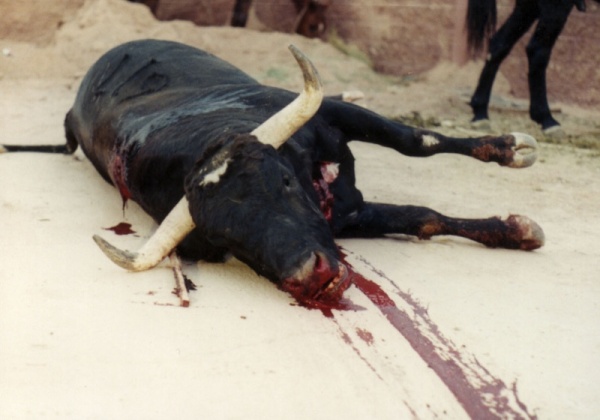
(484, 401)
(122, 229)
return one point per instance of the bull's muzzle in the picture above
(319, 282)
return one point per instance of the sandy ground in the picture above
(81, 338)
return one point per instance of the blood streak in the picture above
(481, 395)
(365, 335)
(327, 308)
(118, 173)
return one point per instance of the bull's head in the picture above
(244, 197)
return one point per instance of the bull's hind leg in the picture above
(374, 220)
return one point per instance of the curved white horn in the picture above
(169, 234)
(281, 126)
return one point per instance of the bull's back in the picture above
(135, 70)
(133, 78)
(147, 109)
(140, 68)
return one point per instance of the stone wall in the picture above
(405, 37)
(400, 37)
(574, 71)
(34, 21)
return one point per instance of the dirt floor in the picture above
(475, 332)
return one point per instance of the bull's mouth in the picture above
(332, 290)
(318, 284)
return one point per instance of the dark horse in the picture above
(481, 22)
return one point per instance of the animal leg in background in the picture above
(550, 24)
(374, 220)
(500, 45)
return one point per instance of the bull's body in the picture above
(147, 111)
(150, 114)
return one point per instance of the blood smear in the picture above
(122, 229)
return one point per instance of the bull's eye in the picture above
(286, 181)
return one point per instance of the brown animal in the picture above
(309, 19)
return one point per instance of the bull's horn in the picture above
(281, 126)
(173, 229)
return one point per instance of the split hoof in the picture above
(528, 234)
(525, 151)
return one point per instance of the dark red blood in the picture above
(327, 308)
(313, 292)
(486, 401)
(118, 173)
(365, 335)
(325, 197)
(122, 229)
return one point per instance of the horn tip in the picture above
(124, 259)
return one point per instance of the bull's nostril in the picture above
(320, 264)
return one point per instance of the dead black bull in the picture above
(228, 166)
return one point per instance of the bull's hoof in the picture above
(525, 151)
(529, 235)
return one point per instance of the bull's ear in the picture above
(281, 126)
(173, 229)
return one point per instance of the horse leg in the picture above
(519, 22)
(374, 220)
(550, 24)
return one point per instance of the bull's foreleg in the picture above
(514, 232)
(515, 150)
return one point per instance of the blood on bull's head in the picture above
(244, 197)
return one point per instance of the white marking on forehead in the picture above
(215, 176)
(429, 141)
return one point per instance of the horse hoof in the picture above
(483, 124)
(555, 133)
(525, 151)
